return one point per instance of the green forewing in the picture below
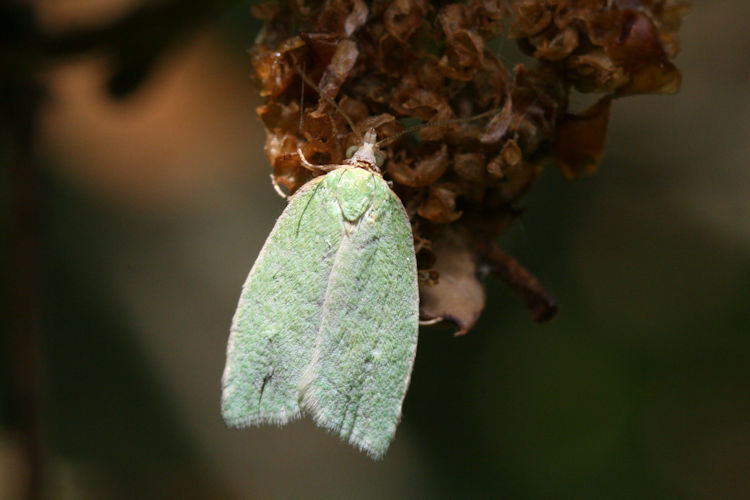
(274, 330)
(327, 320)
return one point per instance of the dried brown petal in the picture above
(509, 158)
(277, 116)
(319, 152)
(409, 100)
(530, 18)
(638, 43)
(355, 109)
(440, 204)
(498, 125)
(458, 295)
(452, 18)
(317, 124)
(579, 141)
(469, 166)
(373, 90)
(536, 97)
(264, 11)
(603, 26)
(323, 46)
(341, 64)
(491, 81)
(594, 71)
(429, 75)
(274, 69)
(639, 48)
(518, 179)
(394, 57)
(464, 48)
(557, 48)
(343, 17)
(487, 15)
(464, 54)
(425, 172)
(402, 17)
(281, 151)
(384, 124)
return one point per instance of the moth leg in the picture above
(433, 321)
(277, 188)
(313, 167)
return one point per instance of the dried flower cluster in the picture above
(390, 63)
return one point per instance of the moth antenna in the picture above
(440, 123)
(330, 101)
(302, 97)
(311, 166)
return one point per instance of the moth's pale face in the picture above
(368, 153)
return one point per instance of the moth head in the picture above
(368, 152)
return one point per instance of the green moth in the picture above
(327, 321)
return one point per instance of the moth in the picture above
(328, 317)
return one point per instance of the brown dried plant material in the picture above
(613, 46)
(391, 63)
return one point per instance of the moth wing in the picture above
(278, 316)
(368, 336)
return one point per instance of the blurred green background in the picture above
(154, 200)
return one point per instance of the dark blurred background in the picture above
(136, 196)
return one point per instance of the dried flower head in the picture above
(389, 63)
